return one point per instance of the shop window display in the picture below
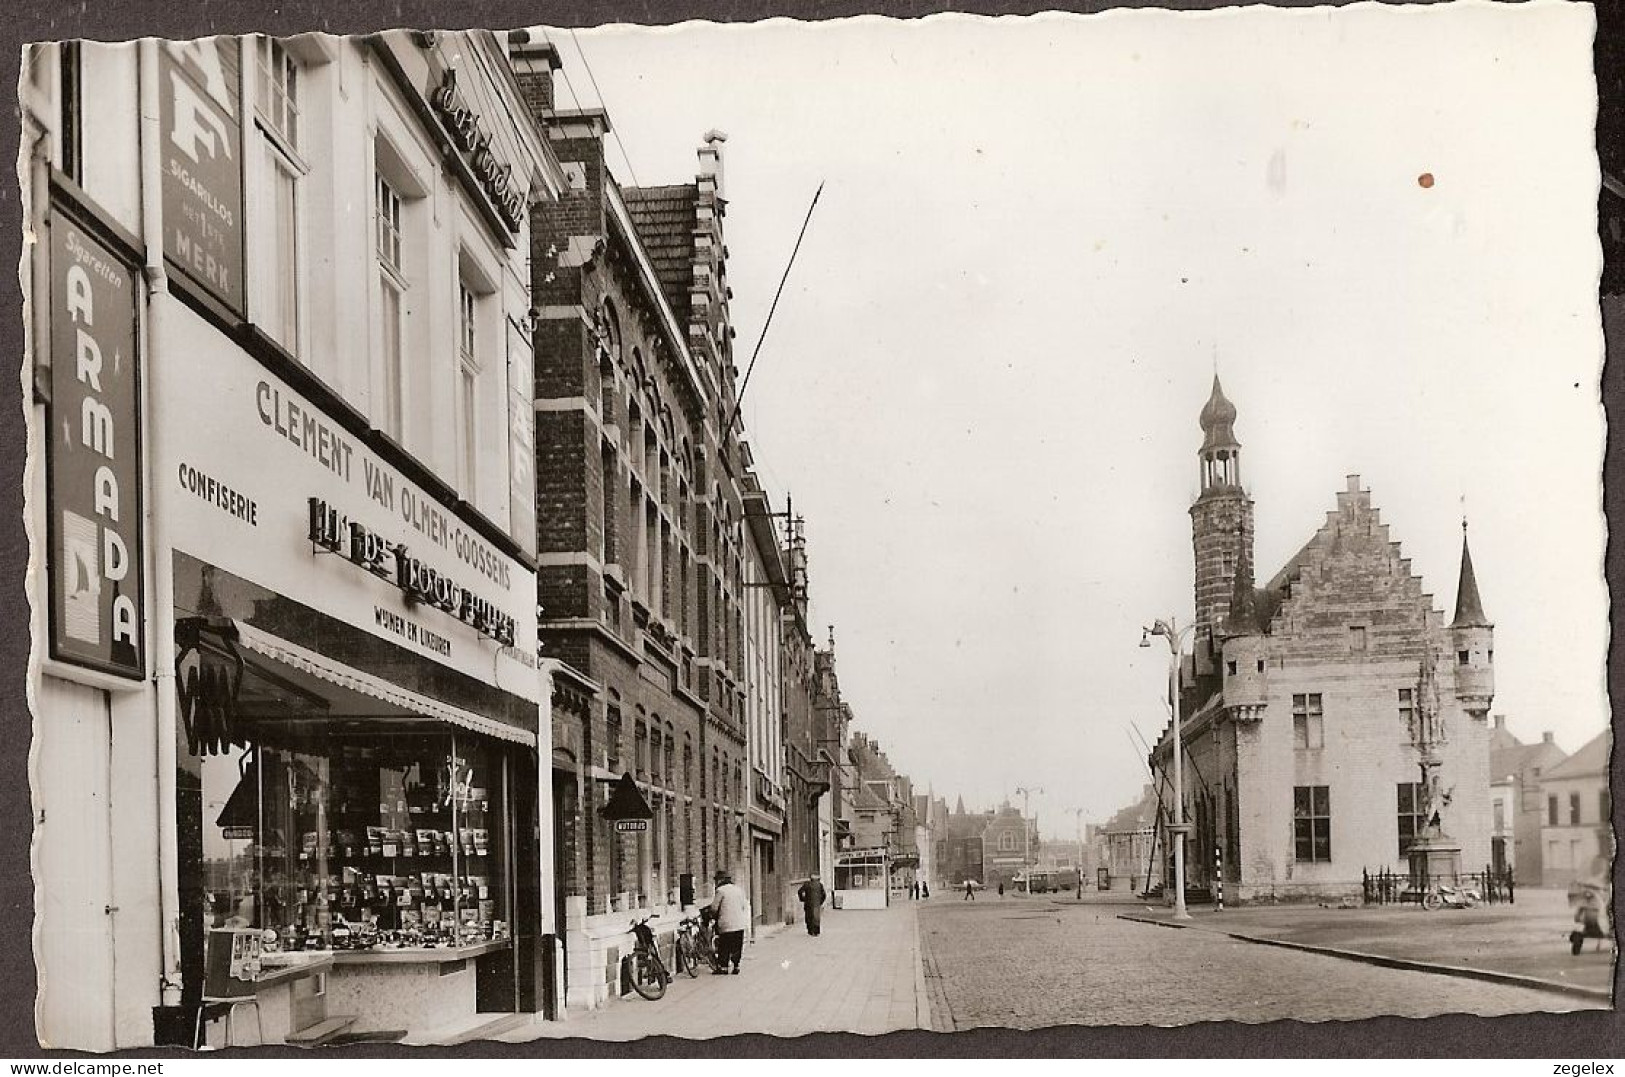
(353, 842)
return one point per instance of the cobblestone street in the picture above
(1032, 963)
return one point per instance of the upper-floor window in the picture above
(468, 387)
(1007, 841)
(279, 89)
(392, 288)
(1308, 725)
(1551, 810)
(276, 231)
(1407, 711)
(1574, 809)
(1357, 637)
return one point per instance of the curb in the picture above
(922, 1000)
(1407, 964)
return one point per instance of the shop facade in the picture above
(288, 730)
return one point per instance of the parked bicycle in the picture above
(705, 938)
(688, 951)
(649, 975)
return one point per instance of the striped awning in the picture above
(324, 668)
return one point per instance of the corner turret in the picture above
(1472, 637)
(1245, 653)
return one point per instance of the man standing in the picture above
(970, 890)
(812, 903)
(732, 910)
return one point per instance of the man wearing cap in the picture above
(732, 910)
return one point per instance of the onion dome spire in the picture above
(1218, 419)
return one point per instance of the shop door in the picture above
(76, 915)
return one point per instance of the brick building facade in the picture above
(1309, 703)
(642, 536)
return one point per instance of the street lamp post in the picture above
(1026, 838)
(1077, 814)
(1168, 630)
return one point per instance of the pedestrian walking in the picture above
(1001, 889)
(970, 890)
(811, 896)
(732, 910)
(925, 890)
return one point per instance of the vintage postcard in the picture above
(801, 527)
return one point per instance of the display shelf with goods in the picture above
(373, 844)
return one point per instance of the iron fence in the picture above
(1388, 887)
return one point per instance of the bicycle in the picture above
(706, 939)
(686, 948)
(648, 972)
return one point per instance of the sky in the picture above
(1038, 239)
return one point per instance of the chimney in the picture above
(533, 65)
(711, 163)
(1500, 721)
(1546, 737)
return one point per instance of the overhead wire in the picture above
(568, 85)
(605, 105)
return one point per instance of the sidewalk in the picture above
(863, 974)
(1526, 942)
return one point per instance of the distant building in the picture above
(959, 846)
(1126, 846)
(1577, 838)
(1309, 704)
(1009, 846)
(1515, 776)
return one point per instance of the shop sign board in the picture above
(467, 129)
(93, 458)
(201, 160)
(268, 487)
(631, 826)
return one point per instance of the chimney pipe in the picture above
(1547, 737)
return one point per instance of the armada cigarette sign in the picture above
(93, 458)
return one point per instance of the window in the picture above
(1551, 810)
(1574, 809)
(468, 387)
(1411, 819)
(1308, 726)
(1007, 841)
(1312, 823)
(1407, 711)
(392, 306)
(1462, 657)
(279, 90)
(1500, 815)
(1357, 637)
(276, 182)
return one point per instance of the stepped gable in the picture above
(1352, 536)
(664, 219)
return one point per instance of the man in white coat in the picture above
(732, 909)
